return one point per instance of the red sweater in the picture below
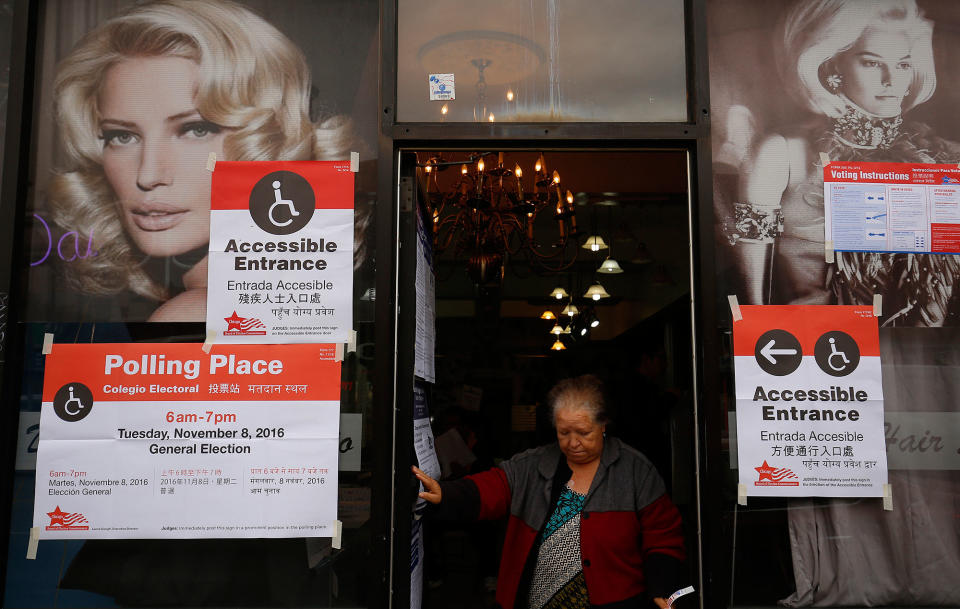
(631, 540)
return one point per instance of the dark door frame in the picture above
(692, 136)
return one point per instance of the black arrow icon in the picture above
(778, 352)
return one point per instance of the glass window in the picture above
(89, 279)
(817, 551)
(541, 60)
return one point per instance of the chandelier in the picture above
(490, 217)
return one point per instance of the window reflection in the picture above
(542, 60)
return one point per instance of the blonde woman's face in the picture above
(878, 70)
(155, 149)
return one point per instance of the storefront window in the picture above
(104, 265)
(787, 83)
(541, 60)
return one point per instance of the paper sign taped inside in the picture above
(442, 87)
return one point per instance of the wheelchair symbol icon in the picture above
(837, 353)
(282, 202)
(833, 354)
(72, 406)
(73, 402)
(279, 201)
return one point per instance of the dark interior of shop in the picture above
(496, 357)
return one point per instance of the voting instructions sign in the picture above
(281, 252)
(165, 441)
(892, 207)
(809, 401)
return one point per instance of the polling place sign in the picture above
(809, 401)
(165, 441)
(280, 267)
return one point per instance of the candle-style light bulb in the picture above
(569, 198)
(556, 177)
(510, 95)
(491, 118)
(444, 109)
(519, 173)
(539, 164)
(463, 170)
(480, 165)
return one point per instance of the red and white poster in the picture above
(281, 252)
(892, 207)
(809, 401)
(144, 440)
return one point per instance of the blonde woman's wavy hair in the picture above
(815, 32)
(253, 81)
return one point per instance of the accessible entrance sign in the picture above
(281, 252)
(809, 401)
(165, 441)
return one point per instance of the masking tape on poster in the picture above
(32, 543)
(337, 541)
(354, 162)
(877, 305)
(828, 251)
(734, 307)
(742, 494)
(888, 497)
(338, 354)
(211, 161)
(208, 344)
(352, 341)
(47, 344)
(824, 159)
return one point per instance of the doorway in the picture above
(511, 322)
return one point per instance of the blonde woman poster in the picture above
(858, 80)
(130, 110)
(131, 98)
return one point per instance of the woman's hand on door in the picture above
(431, 488)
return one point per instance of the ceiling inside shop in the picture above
(635, 200)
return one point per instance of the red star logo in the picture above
(57, 516)
(765, 471)
(233, 322)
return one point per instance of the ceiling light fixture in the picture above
(489, 218)
(594, 243)
(610, 267)
(596, 292)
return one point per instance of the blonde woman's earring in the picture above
(834, 82)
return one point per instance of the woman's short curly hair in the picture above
(253, 81)
(815, 32)
(579, 393)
